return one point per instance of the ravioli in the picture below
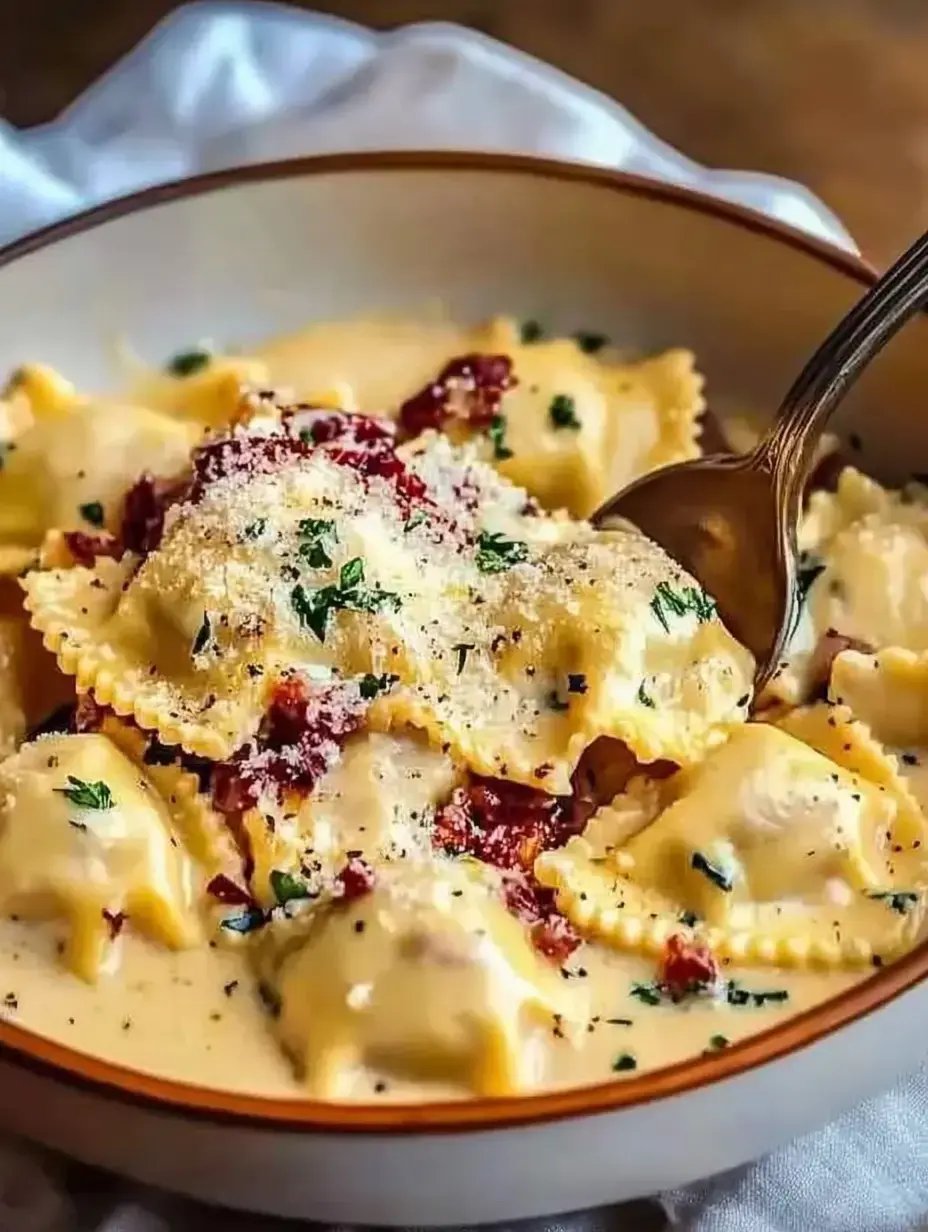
(69, 462)
(426, 977)
(84, 836)
(512, 655)
(774, 852)
(578, 429)
(376, 803)
(873, 545)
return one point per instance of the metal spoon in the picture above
(731, 520)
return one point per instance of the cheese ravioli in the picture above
(511, 653)
(84, 836)
(770, 849)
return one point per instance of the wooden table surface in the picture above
(830, 92)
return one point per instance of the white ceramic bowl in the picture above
(243, 254)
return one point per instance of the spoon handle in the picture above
(789, 448)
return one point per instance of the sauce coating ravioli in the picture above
(397, 779)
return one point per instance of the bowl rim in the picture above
(111, 1080)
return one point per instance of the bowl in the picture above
(247, 253)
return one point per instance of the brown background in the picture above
(831, 92)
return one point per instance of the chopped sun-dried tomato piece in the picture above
(687, 967)
(227, 891)
(300, 738)
(505, 824)
(86, 548)
(355, 879)
(143, 511)
(470, 388)
(508, 825)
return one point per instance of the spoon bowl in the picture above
(730, 520)
(721, 518)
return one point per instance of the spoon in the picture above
(730, 520)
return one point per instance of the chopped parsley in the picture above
(419, 518)
(319, 536)
(82, 794)
(203, 637)
(718, 876)
(736, 995)
(186, 363)
(497, 434)
(370, 685)
(531, 331)
(350, 595)
(648, 994)
(689, 918)
(555, 703)
(901, 901)
(576, 682)
(589, 342)
(286, 887)
(669, 602)
(92, 512)
(624, 1062)
(563, 413)
(496, 553)
(717, 1043)
(644, 697)
(255, 529)
(462, 649)
(246, 921)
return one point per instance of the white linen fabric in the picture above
(221, 84)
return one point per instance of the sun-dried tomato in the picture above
(227, 891)
(355, 879)
(469, 388)
(87, 548)
(687, 967)
(143, 510)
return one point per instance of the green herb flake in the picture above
(648, 994)
(350, 595)
(738, 996)
(92, 512)
(462, 649)
(203, 637)
(689, 918)
(624, 1062)
(496, 553)
(689, 599)
(419, 518)
(554, 702)
(186, 363)
(576, 682)
(900, 901)
(644, 697)
(370, 685)
(244, 921)
(497, 434)
(286, 887)
(319, 536)
(716, 875)
(255, 529)
(82, 794)
(590, 343)
(563, 413)
(531, 331)
(717, 1043)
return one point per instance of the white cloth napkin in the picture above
(220, 84)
